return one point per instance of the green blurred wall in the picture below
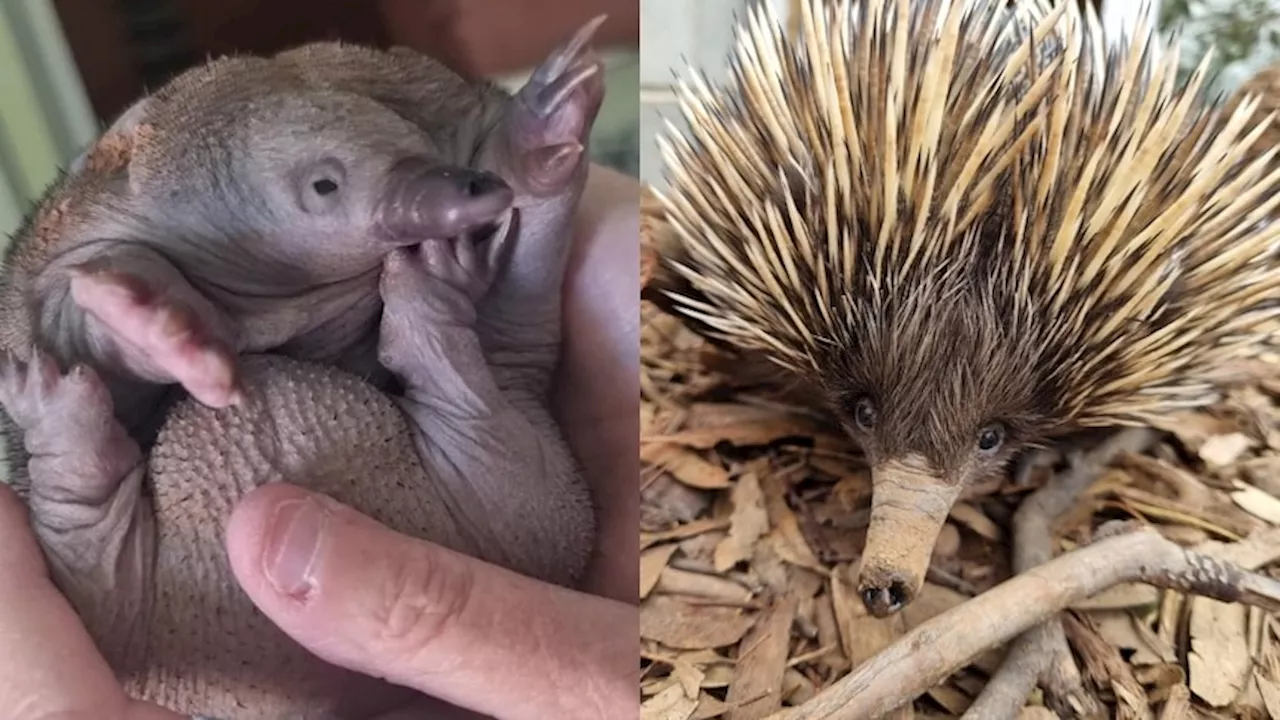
(45, 116)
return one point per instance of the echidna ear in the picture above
(114, 150)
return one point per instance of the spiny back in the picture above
(949, 202)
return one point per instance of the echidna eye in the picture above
(990, 438)
(864, 413)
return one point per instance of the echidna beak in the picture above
(909, 504)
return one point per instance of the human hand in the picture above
(422, 617)
(598, 388)
(387, 605)
(49, 666)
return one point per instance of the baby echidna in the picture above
(978, 227)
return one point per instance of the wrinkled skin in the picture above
(393, 239)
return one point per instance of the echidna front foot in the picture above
(500, 461)
(540, 147)
(547, 124)
(154, 325)
(83, 483)
(430, 289)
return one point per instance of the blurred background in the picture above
(68, 67)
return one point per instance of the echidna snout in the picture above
(939, 395)
(908, 507)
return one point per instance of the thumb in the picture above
(371, 600)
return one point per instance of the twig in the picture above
(1042, 653)
(901, 672)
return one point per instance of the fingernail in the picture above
(292, 546)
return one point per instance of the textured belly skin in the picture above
(306, 424)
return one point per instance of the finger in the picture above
(380, 603)
(429, 707)
(49, 666)
(598, 388)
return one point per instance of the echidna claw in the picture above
(566, 70)
(555, 65)
(551, 117)
(34, 391)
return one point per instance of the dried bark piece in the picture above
(932, 601)
(689, 675)
(1178, 705)
(674, 581)
(1222, 450)
(686, 466)
(829, 635)
(710, 707)
(948, 542)
(797, 688)
(974, 519)
(687, 530)
(652, 561)
(1103, 665)
(747, 523)
(1127, 632)
(670, 704)
(1270, 691)
(1219, 664)
(685, 626)
(756, 690)
(1257, 502)
(951, 699)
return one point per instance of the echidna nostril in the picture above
(898, 595)
(490, 185)
(484, 184)
(885, 601)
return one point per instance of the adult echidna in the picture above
(980, 227)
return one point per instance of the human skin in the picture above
(50, 667)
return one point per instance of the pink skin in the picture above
(515, 626)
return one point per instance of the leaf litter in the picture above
(754, 511)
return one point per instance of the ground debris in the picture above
(754, 509)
